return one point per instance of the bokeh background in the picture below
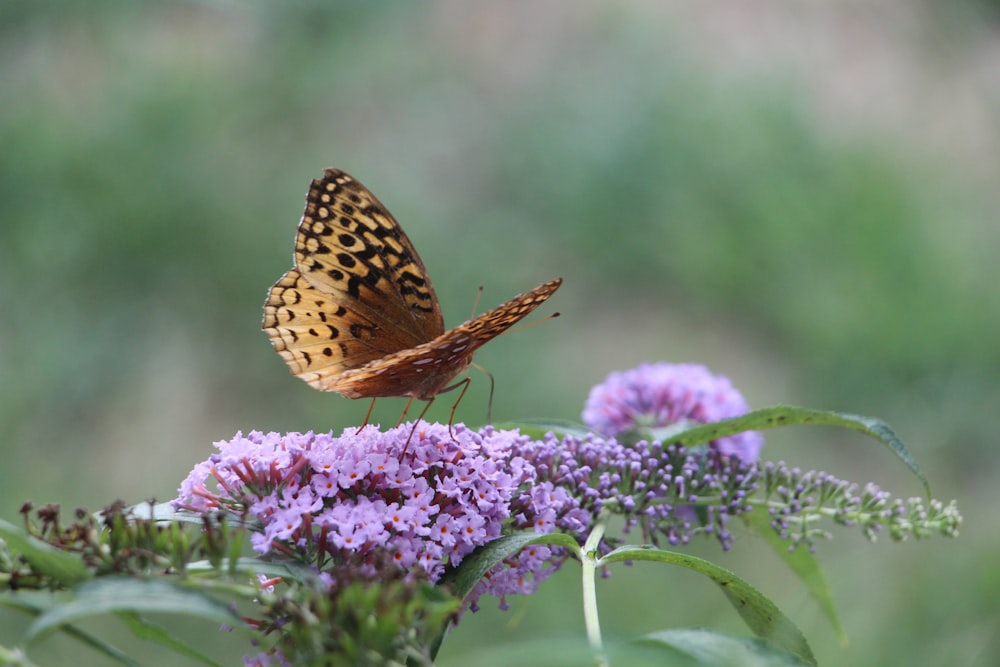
(800, 196)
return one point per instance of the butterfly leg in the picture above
(406, 409)
(451, 418)
(489, 403)
(368, 414)
(416, 423)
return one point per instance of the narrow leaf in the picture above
(148, 630)
(714, 649)
(537, 428)
(34, 603)
(551, 651)
(115, 594)
(804, 564)
(757, 610)
(166, 512)
(786, 415)
(464, 578)
(162, 512)
(286, 569)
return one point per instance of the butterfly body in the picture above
(357, 314)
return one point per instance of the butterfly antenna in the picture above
(489, 403)
(475, 304)
(530, 324)
(371, 406)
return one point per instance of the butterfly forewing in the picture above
(350, 246)
(358, 315)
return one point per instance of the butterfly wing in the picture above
(425, 370)
(316, 336)
(358, 315)
(358, 292)
(350, 247)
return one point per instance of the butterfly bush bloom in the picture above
(661, 394)
(657, 487)
(352, 499)
(653, 486)
(367, 498)
(385, 507)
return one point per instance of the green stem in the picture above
(588, 562)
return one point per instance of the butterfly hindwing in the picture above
(317, 336)
(425, 370)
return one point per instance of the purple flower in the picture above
(520, 574)
(353, 499)
(272, 658)
(658, 395)
(364, 499)
(655, 487)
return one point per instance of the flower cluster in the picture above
(653, 396)
(367, 500)
(658, 487)
(796, 499)
(402, 531)
(432, 499)
(426, 501)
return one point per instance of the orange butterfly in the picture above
(358, 315)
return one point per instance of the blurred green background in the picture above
(802, 198)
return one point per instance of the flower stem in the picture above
(588, 562)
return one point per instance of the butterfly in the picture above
(357, 314)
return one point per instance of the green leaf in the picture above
(291, 570)
(537, 428)
(757, 610)
(34, 603)
(786, 415)
(804, 564)
(551, 651)
(118, 594)
(706, 648)
(464, 578)
(144, 629)
(166, 512)
(161, 512)
(65, 567)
